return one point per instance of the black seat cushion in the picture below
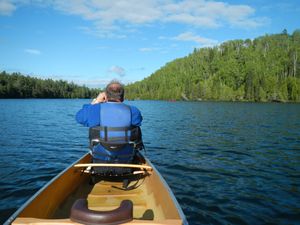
(81, 214)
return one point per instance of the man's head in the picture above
(115, 91)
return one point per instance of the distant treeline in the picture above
(264, 69)
(16, 85)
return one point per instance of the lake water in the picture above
(227, 163)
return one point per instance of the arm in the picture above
(100, 98)
(136, 116)
(136, 135)
(89, 115)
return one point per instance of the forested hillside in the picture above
(264, 69)
(16, 85)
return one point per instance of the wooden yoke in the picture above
(144, 167)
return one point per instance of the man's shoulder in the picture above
(134, 108)
(94, 108)
(136, 115)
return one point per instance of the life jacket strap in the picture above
(94, 134)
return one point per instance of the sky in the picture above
(90, 42)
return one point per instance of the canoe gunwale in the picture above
(178, 207)
(16, 214)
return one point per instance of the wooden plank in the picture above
(114, 165)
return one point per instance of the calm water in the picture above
(227, 163)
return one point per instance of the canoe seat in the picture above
(81, 214)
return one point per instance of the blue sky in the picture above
(93, 41)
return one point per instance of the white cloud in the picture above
(114, 18)
(6, 7)
(210, 13)
(189, 36)
(193, 20)
(108, 15)
(148, 49)
(117, 70)
(32, 51)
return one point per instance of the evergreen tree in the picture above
(265, 69)
(16, 85)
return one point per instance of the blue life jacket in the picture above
(114, 134)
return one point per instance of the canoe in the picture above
(76, 196)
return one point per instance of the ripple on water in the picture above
(227, 163)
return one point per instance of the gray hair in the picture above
(115, 91)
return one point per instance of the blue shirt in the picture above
(89, 115)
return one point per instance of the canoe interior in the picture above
(152, 201)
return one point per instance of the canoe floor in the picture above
(105, 196)
(102, 197)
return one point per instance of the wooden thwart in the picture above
(145, 167)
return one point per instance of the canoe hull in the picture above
(153, 200)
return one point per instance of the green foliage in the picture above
(16, 85)
(265, 69)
